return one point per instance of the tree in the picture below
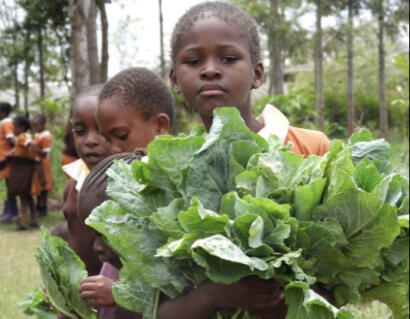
(389, 14)
(284, 33)
(161, 39)
(86, 69)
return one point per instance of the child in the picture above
(216, 62)
(134, 107)
(42, 139)
(6, 144)
(22, 164)
(98, 289)
(92, 147)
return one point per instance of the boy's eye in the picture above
(229, 59)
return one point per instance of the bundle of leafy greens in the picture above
(62, 272)
(230, 204)
(38, 305)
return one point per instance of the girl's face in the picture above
(125, 128)
(91, 146)
(18, 129)
(213, 68)
(38, 126)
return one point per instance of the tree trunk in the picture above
(80, 64)
(161, 39)
(276, 74)
(41, 61)
(384, 116)
(95, 76)
(104, 48)
(16, 87)
(319, 102)
(351, 113)
(26, 86)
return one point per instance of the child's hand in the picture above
(263, 298)
(98, 289)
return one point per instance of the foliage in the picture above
(340, 220)
(62, 272)
(38, 305)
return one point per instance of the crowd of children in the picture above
(25, 165)
(215, 62)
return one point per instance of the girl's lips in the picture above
(212, 93)
(211, 90)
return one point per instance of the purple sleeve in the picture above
(115, 312)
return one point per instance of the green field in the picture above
(19, 272)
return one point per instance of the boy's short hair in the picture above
(5, 108)
(92, 192)
(226, 12)
(93, 90)
(23, 122)
(142, 90)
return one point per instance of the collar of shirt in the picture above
(276, 123)
(7, 119)
(78, 171)
(42, 134)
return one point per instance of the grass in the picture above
(19, 273)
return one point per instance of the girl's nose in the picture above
(210, 70)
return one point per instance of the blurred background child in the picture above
(44, 184)
(7, 139)
(21, 160)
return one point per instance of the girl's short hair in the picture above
(41, 117)
(5, 108)
(226, 12)
(142, 90)
(22, 121)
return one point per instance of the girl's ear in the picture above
(174, 81)
(259, 76)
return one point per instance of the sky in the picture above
(134, 31)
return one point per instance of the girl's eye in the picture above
(229, 59)
(79, 132)
(122, 137)
(192, 62)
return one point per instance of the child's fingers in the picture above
(88, 294)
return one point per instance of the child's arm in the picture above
(98, 289)
(261, 297)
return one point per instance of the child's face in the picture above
(38, 126)
(213, 68)
(18, 129)
(91, 146)
(125, 128)
(105, 253)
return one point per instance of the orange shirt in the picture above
(304, 142)
(43, 143)
(6, 131)
(23, 146)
